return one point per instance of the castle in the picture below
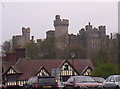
(91, 38)
(21, 40)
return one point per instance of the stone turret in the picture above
(21, 40)
(61, 32)
(26, 34)
(88, 27)
(50, 33)
(59, 22)
(102, 30)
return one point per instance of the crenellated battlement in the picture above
(25, 30)
(60, 22)
(23, 39)
(102, 27)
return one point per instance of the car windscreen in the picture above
(99, 79)
(46, 80)
(84, 79)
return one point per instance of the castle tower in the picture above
(50, 33)
(102, 30)
(61, 32)
(21, 40)
(26, 34)
(88, 27)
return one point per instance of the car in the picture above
(3, 86)
(82, 82)
(41, 83)
(112, 82)
(60, 85)
(99, 79)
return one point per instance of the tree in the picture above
(31, 50)
(118, 35)
(6, 47)
(106, 69)
(74, 48)
(101, 57)
(14, 44)
(48, 49)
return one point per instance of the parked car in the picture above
(99, 79)
(3, 86)
(60, 85)
(42, 83)
(112, 82)
(82, 82)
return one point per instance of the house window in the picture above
(66, 67)
(88, 72)
(42, 73)
(11, 71)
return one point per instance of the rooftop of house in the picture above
(30, 67)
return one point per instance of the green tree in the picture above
(15, 44)
(104, 70)
(102, 56)
(48, 49)
(6, 47)
(75, 48)
(118, 35)
(31, 50)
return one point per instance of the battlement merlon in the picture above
(63, 22)
(24, 30)
(102, 27)
(60, 22)
(88, 27)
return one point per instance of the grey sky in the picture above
(39, 16)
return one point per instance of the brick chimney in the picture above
(20, 53)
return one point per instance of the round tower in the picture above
(61, 32)
(102, 31)
(26, 34)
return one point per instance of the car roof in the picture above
(98, 77)
(114, 75)
(80, 76)
(46, 77)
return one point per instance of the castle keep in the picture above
(61, 32)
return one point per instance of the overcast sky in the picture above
(39, 16)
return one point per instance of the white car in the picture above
(112, 82)
(60, 85)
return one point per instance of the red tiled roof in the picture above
(6, 65)
(80, 65)
(30, 67)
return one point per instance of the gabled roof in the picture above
(29, 67)
(41, 69)
(80, 65)
(6, 65)
(15, 69)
